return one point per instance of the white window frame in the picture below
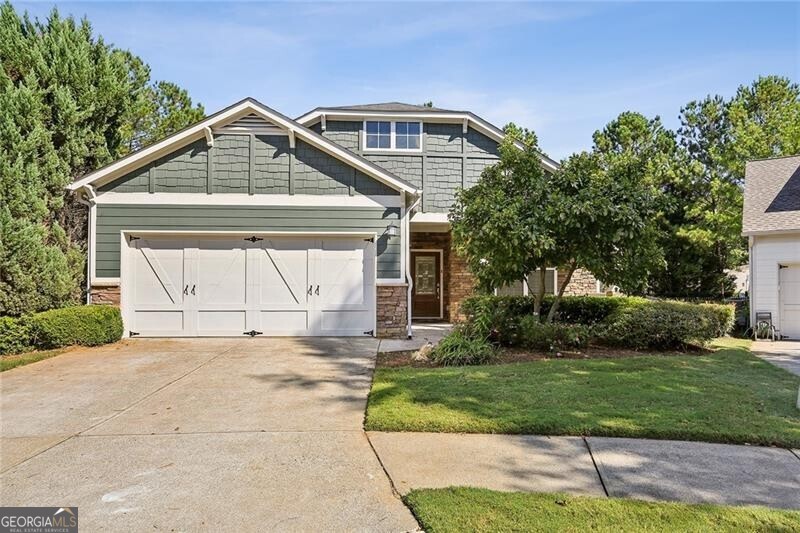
(392, 137)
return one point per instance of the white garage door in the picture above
(790, 301)
(234, 286)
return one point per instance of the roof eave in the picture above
(245, 106)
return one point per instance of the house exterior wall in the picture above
(766, 254)
(449, 159)
(249, 164)
(112, 219)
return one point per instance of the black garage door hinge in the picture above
(131, 238)
(370, 332)
(371, 239)
(133, 333)
(254, 239)
(252, 333)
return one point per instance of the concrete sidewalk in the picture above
(692, 472)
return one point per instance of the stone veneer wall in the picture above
(581, 284)
(104, 295)
(392, 311)
(457, 283)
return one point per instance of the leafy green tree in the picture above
(499, 225)
(69, 103)
(598, 212)
(606, 204)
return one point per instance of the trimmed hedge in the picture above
(15, 335)
(552, 337)
(666, 324)
(87, 325)
(618, 321)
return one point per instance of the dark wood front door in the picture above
(426, 294)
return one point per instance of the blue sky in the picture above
(564, 69)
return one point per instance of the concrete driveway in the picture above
(785, 354)
(199, 434)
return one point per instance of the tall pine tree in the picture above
(69, 103)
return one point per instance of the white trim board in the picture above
(228, 115)
(235, 199)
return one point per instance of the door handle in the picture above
(317, 291)
(193, 286)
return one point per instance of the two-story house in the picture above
(249, 222)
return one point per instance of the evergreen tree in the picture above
(69, 103)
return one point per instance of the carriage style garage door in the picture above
(178, 286)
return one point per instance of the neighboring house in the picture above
(771, 222)
(250, 222)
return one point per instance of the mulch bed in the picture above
(521, 355)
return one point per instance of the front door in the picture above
(426, 294)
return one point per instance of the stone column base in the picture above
(104, 296)
(392, 311)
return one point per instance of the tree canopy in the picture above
(597, 212)
(69, 103)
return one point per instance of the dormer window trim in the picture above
(378, 132)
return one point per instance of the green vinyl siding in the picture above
(112, 219)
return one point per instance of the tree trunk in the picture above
(553, 308)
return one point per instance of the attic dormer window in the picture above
(386, 135)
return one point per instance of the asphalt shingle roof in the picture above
(772, 195)
(391, 107)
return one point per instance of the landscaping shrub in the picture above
(88, 325)
(15, 335)
(497, 317)
(552, 337)
(618, 321)
(462, 347)
(666, 324)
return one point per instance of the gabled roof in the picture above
(395, 107)
(239, 110)
(772, 196)
(417, 112)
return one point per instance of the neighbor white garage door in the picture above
(232, 286)
(790, 301)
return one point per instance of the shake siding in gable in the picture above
(449, 159)
(186, 170)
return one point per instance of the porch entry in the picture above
(426, 294)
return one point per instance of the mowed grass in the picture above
(7, 362)
(468, 509)
(727, 396)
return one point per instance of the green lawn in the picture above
(7, 362)
(726, 396)
(467, 509)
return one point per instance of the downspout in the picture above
(92, 196)
(409, 281)
(751, 281)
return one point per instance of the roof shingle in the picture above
(772, 195)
